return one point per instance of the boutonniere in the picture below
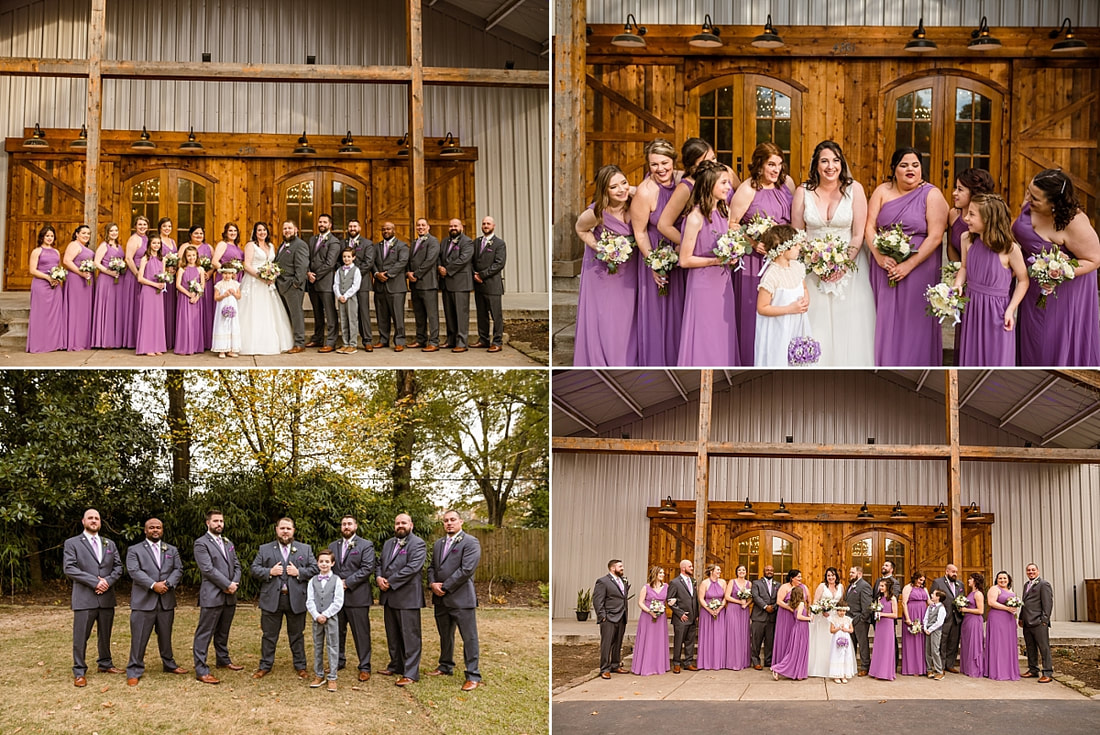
(163, 547)
(458, 537)
(351, 544)
(401, 542)
(293, 549)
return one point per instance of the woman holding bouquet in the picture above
(1067, 330)
(651, 642)
(904, 333)
(971, 649)
(149, 338)
(738, 624)
(106, 311)
(168, 246)
(914, 603)
(129, 287)
(229, 249)
(708, 336)
(969, 184)
(712, 626)
(46, 326)
(1001, 648)
(842, 307)
(795, 660)
(264, 324)
(828, 596)
(883, 663)
(189, 287)
(79, 287)
(784, 613)
(606, 333)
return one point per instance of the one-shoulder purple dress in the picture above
(971, 643)
(905, 336)
(651, 654)
(1067, 331)
(149, 328)
(795, 662)
(606, 332)
(107, 312)
(46, 326)
(1001, 645)
(712, 632)
(659, 316)
(883, 665)
(983, 341)
(775, 203)
(738, 633)
(189, 317)
(708, 336)
(79, 300)
(912, 644)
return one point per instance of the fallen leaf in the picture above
(77, 706)
(40, 663)
(594, 713)
(108, 705)
(101, 691)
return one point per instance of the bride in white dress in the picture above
(265, 326)
(821, 638)
(841, 313)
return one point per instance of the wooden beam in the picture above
(702, 468)
(723, 510)
(624, 446)
(24, 66)
(782, 450)
(954, 483)
(629, 105)
(1042, 455)
(1027, 400)
(94, 116)
(569, 126)
(529, 78)
(1089, 378)
(415, 48)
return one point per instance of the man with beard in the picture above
(391, 258)
(156, 570)
(763, 617)
(292, 257)
(455, 256)
(424, 287)
(897, 586)
(285, 566)
(402, 597)
(354, 565)
(324, 257)
(685, 617)
(951, 587)
(1038, 599)
(216, 558)
(94, 564)
(490, 254)
(859, 597)
(609, 595)
(364, 259)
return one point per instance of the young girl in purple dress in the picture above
(651, 654)
(189, 288)
(107, 311)
(46, 326)
(149, 335)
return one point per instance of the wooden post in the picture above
(415, 41)
(702, 471)
(94, 116)
(569, 139)
(954, 489)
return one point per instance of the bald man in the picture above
(490, 255)
(456, 255)
(424, 287)
(156, 570)
(391, 260)
(402, 597)
(94, 565)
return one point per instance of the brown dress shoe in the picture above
(459, 349)
(619, 670)
(80, 681)
(385, 672)
(399, 348)
(295, 350)
(131, 682)
(311, 343)
(317, 682)
(605, 675)
(758, 667)
(364, 676)
(437, 672)
(368, 348)
(1029, 675)
(863, 673)
(413, 345)
(495, 348)
(1045, 680)
(953, 670)
(208, 679)
(676, 669)
(376, 345)
(260, 673)
(429, 348)
(327, 348)
(332, 685)
(478, 345)
(693, 667)
(302, 673)
(177, 670)
(231, 667)
(112, 670)
(403, 681)
(469, 686)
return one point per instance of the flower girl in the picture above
(782, 299)
(842, 659)
(227, 328)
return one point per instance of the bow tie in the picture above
(323, 577)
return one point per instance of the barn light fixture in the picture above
(708, 36)
(347, 145)
(628, 38)
(82, 139)
(941, 513)
(919, 44)
(982, 41)
(304, 148)
(37, 139)
(668, 508)
(864, 513)
(192, 143)
(144, 141)
(403, 145)
(898, 512)
(769, 38)
(973, 513)
(1069, 43)
(781, 511)
(746, 509)
(450, 146)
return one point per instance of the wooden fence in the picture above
(520, 553)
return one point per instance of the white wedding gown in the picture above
(843, 321)
(821, 640)
(265, 326)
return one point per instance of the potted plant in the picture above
(584, 604)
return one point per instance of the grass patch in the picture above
(36, 675)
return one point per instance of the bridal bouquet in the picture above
(614, 250)
(205, 262)
(961, 602)
(87, 266)
(732, 246)
(915, 627)
(58, 273)
(893, 243)
(1050, 268)
(195, 286)
(803, 351)
(945, 301)
(758, 225)
(661, 261)
(1015, 603)
(657, 607)
(827, 257)
(171, 260)
(269, 272)
(117, 265)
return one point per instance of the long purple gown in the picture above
(1001, 646)
(659, 316)
(983, 341)
(149, 328)
(883, 664)
(738, 633)
(905, 336)
(79, 299)
(775, 203)
(708, 335)
(712, 632)
(128, 297)
(954, 237)
(189, 317)
(651, 654)
(207, 301)
(606, 332)
(1067, 331)
(971, 649)
(168, 246)
(912, 644)
(795, 662)
(233, 252)
(46, 328)
(784, 621)
(107, 324)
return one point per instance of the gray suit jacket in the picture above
(394, 264)
(293, 260)
(761, 599)
(608, 602)
(423, 260)
(324, 260)
(686, 600)
(357, 570)
(401, 568)
(217, 571)
(301, 556)
(364, 258)
(940, 583)
(898, 586)
(458, 262)
(142, 567)
(489, 264)
(1038, 603)
(81, 566)
(456, 572)
(859, 598)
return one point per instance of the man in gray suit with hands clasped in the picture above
(156, 570)
(859, 598)
(763, 617)
(609, 595)
(1038, 599)
(94, 565)
(451, 580)
(216, 558)
(685, 617)
(293, 260)
(402, 597)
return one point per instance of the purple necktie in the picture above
(95, 548)
(447, 548)
(345, 554)
(320, 240)
(156, 553)
(484, 243)
(454, 246)
(396, 549)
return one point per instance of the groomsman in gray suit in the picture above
(456, 270)
(94, 564)
(950, 585)
(424, 287)
(685, 617)
(324, 257)
(859, 598)
(220, 569)
(364, 259)
(156, 570)
(293, 260)
(391, 258)
(490, 255)
(1038, 599)
(609, 595)
(402, 597)
(451, 580)
(285, 566)
(355, 565)
(763, 617)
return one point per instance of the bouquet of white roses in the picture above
(894, 243)
(614, 250)
(949, 270)
(961, 602)
(1050, 268)
(205, 262)
(117, 265)
(171, 260)
(195, 286)
(714, 604)
(1015, 603)
(758, 225)
(87, 266)
(945, 301)
(827, 257)
(915, 627)
(235, 264)
(657, 607)
(58, 273)
(269, 272)
(745, 594)
(732, 246)
(165, 277)
(876, 608)
(661, 261)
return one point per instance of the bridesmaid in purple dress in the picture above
(46, 328)
(1067, 331)
(971, 650)
(229, 249)
(883, 663)
(970, 183)
(738, 625)
(708, 336)
(784, 614)
(904, 334)
(128, 285)
(795, 662)
(768, 191)
(149, 338)
(189, 309)
(712, 624)
(1002, 649)
(607, 303)
(107, 311)
(168, 246)
(914, 603)
(659, 316)
(79, 290)
(651, 642)
(990, 260)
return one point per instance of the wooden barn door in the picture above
(449, 193)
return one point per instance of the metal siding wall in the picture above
(510, 127)
(1045, 513)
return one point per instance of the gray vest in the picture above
(347, 278)
(322, 599)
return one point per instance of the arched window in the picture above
(760, 547)
(869, 549)
(181, 195)
(304, 197)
